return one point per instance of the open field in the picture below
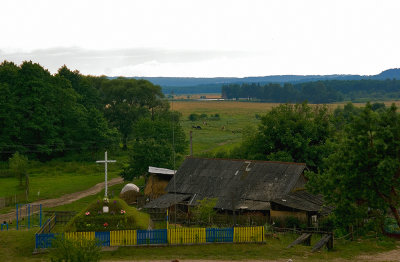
(197, 96)
(219, 134)
(234, 116)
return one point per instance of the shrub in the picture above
(292, 222)
(67, 250)
(204, 211)
(215, 117)
(194, 117)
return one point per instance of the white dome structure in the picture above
(130, 187)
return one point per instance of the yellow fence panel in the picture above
(80, 235)
(248, 234)
(186, 236)
(123, 238)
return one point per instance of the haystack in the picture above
(129, 193)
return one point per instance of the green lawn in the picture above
(56, 178)
(273, 249)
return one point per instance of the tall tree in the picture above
(43, 115)
(128, 100)
(290, 133)
(19, 166)
(363, 173)
(157, 142)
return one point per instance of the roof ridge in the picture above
(235, 159)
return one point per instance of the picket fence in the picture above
(178, 236)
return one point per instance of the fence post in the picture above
(40, 215)
(29, 216)
(17, 215)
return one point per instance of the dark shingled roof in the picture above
(240, 184)
(167, 200)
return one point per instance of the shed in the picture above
(157, 181)
(277, 189)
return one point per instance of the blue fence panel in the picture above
(44, 240)
(103, 237)
(147, 237)
(219, 234)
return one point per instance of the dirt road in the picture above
(65, 199)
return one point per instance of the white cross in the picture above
(105, 161)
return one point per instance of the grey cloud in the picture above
(103, 61)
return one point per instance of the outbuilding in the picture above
(275, 190)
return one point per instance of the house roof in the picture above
(233, 181)
(167, 200)
(302, 200)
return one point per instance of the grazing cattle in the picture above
(198, 127)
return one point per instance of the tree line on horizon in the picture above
(316, 92)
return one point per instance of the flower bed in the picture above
(120, 216)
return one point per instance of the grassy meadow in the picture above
(56, 178)
(225, 133)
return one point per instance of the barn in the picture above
(274, 189)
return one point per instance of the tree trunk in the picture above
(395, 214)
(124, 142)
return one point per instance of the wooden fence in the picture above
(48, 225)
(62, 217)
(179, 236)
(12, 200)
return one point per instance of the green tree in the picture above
(362, 175)
(128, 100)
(289, 133)
(157, 142)
(18, 165)
(44, 115)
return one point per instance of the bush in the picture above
(204, 211)
(215, 117)
(194, 117)
(67, 250)
(293, 222)
(93, 218)
(327, 223)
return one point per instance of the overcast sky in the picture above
(203, 38)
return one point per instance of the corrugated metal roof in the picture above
(163, 171)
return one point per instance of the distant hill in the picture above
(192, 85)
(390, 73)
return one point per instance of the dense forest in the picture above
(45, 116)
(327, 91)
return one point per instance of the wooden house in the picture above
(274, 189)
